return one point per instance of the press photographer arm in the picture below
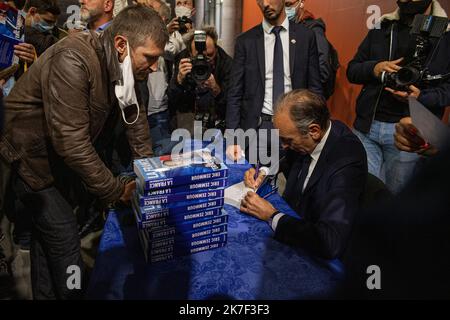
(184, 68)
(403, 95)
(173, 25)
(387, 66)
(212, 85)
(427, 75)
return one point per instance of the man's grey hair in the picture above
(164, 11)
(138, 23)
(305, 108)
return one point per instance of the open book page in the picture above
(235, 193)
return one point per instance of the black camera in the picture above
(201, 70)
(182, 21)
(424, 28)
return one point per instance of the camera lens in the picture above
(407, 76)
(201, 70)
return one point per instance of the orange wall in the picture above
(346, 28)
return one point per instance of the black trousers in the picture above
(55, 244)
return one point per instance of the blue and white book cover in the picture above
(183, 248)
(12, 25)
(171, 235)
(169, 171)
(171, 256)
(178, 208)
(145, 201)
(169, 251)
(173, 220)
(190, 226)
(193, 187)
(200, 220)
(268, 187)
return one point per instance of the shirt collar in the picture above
(104, 26)
(267, 27)
(318, 150)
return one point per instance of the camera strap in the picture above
(391, 43)
(431, 57)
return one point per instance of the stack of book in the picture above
(178, 204)
(12, 25)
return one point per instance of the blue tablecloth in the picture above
(252, 265)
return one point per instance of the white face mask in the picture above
(291, 12)
(182, 11)
(125, 92)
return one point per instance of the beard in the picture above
(88, 16)
(271, 15)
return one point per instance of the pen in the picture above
(255, 177)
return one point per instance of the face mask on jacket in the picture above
(182, 11)
(125, 92)
(409, 9)
(42, 26)
(291, 12)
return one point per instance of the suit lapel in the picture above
(292, 47)
(260, 51)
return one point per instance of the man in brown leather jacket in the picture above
(74, 92)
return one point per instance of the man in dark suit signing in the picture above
(326, 170)
(272, 58)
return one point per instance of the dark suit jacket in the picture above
(246, 94)
(331, 198)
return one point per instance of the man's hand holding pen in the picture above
(253, 178)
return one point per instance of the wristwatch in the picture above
(272, 217)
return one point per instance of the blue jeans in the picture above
(385, 161)
(160, 133)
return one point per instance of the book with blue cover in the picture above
(194, 187)
(185, 226)
(235, 193)
(145, 201)
(12, 26)
(175, 209)
(187, 168)
(168, 248)
(170, 256)
(161, 250)
(180, 248)
(171, 235)
(173, 220)
(185, 223)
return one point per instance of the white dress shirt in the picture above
(269, 45)
(315, 155)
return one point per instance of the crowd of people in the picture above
(86, 101)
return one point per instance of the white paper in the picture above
(430, 127)
(235, 193)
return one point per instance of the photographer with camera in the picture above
(406, 56)
(201, 79)
(179, 26)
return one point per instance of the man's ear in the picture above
(120, 43)
(315, 131)
(108, 6)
